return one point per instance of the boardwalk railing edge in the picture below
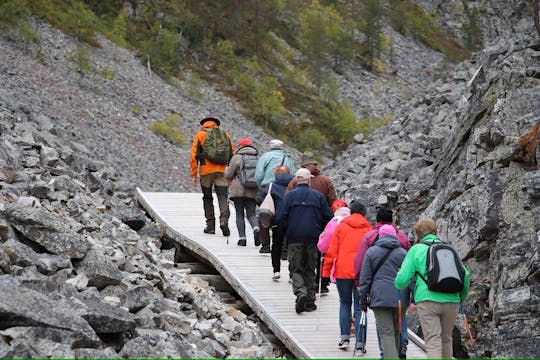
(285, 337)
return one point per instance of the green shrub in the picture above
(81, 59)
(107, 73)
(168, 128)
(309, 139)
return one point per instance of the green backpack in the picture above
(217, 146)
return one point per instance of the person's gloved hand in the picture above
(363, 304)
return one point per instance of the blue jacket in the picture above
(303, 214)
(264, 173)
(382, 292)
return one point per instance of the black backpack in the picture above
(246, 173)
(445, 271)
(217, 145)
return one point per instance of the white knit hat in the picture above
(276, 144)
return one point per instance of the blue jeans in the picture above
(348, 297)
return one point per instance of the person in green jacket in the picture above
(437, 311)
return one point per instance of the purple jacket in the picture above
(369, 240)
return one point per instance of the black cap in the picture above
(384, 214)
(358, 207)
(210, 118)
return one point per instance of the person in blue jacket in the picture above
(303, 214)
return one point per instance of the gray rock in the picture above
(48, 230)
(101, 272)
(24, 307)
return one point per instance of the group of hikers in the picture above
(328, 240)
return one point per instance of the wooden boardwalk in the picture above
(308, 335)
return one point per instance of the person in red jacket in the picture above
(211, 175)
(341, 252)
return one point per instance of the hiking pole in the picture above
(467, 326)
(399, 311)
(320, 287)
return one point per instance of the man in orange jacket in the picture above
(210, 173)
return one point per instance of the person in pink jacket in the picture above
(341, 210)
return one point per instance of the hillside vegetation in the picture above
(278, 58)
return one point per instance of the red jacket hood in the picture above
(357, 221)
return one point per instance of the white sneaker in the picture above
(276, 276)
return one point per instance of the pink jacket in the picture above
(369, 240)
(326, 235)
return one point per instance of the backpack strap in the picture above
(428, 244)
(379, 264)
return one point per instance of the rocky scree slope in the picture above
(111, 116)
(466, 152)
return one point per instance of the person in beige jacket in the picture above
(243, 197)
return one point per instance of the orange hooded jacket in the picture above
(209, 166)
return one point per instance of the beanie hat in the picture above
(245, 142)
(387, 230)
(358, 207)
(276, 144)
(308, 158)
(210, 118)
(384, 214)
(337, 204)
(303, 174)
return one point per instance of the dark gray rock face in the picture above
(465, 153)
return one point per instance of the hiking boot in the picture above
(343, 344)
(276, 275)
(209, 230)
(225, 229)
(256, 236)
(324, 290)
(283, 255)
(242, 242)
(300, 304)
(265, 249)
(310, 307)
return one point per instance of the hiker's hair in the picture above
(282, 169)
(425, 226)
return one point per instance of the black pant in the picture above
(277, 247)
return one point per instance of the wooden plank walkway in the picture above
(308, 335)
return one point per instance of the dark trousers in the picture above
(277, 247)
(302, 268)
(245, 207)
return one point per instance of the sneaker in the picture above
(209, 230)
(310, 307)
(360, 349)
(257, 237)
(324, 290)
(225, 229)
(265, 249)
(242, 242)
(343, 344)
(300, 304)
(402, 352)
(276, 276)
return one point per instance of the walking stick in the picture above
(320, 287)
(467, 326)
(399, 312)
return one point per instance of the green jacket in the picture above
(415, 261)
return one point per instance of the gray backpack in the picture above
(445, 271)
(246, 173)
